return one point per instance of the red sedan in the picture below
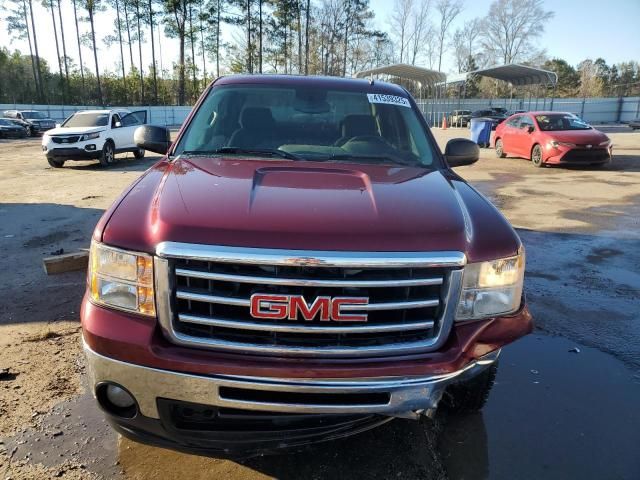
(551, 138)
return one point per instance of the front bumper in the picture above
(577, 156)
(393, 396)
(289, 411)
(71, 153)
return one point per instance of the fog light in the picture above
(119, 397)
(91, 146)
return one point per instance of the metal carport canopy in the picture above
(424, 76)
(514, 74)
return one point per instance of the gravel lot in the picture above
(553, 413)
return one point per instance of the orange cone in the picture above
(444, 122)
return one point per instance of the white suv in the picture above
(93, 134)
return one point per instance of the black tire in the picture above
(30, 132)
(108, 155)
(470, 396)
(536, 156)
(55, 163)
(138, 154)
(500, 149)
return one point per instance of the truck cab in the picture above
(302, 264)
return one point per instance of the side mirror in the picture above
(118, 124)
(460, 152)
(530, 129)
(152, 138)
(58, 125)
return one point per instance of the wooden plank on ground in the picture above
(66, 263)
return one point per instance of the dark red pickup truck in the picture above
(301, 265)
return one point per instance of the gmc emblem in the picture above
(292, 307)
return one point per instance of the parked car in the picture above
(635, 124)
(94, 134)
(303, 247)
(36, 122)
(490, 114)
(552, 138)
(8, 129)
(460, 118)
(499, 110)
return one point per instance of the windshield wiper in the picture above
(381, 158)
(268, 152)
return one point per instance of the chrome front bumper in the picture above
(408, 397)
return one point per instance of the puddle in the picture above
(552, 414)
(399, 449)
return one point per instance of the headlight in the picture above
(556, 144)
(121, 279)
(89, 136)
(491, 288)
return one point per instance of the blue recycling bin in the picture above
(481, 131)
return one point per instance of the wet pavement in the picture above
(558, 410)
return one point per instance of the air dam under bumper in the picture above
(351, 405)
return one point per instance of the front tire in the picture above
(55, 163)
(470, 396)
(500, 149)
(108, 155)
(138, 154)
(536, 156)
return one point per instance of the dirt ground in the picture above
(577, 411)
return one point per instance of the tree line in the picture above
(310, 37)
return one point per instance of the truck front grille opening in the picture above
(210, 307)
(191, 417)
(303, 398)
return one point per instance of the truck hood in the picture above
(308, 205)
(74, 130)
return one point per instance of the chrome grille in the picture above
(204, 298)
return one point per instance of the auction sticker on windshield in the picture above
(389, 99)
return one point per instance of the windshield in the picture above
(307, 123)
(32, 115)
(560, 121)
(87, 120)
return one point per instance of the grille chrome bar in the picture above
(310, 258)
(200, 297)
(245, 302)
(293, 328)
(303, 282)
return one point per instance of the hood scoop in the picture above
(281, 183)
(311, 178)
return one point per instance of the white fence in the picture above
(161, 115)
(592, 110)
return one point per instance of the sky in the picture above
(580, 29)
